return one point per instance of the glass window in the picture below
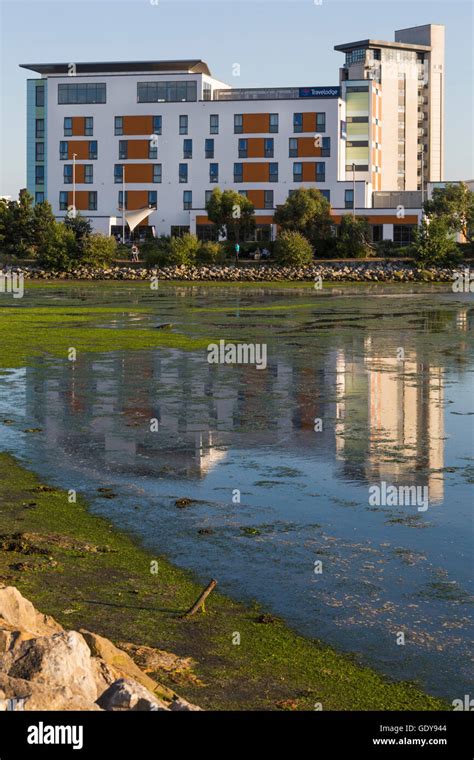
(67, 126)
(187, 200)
(187, 148)
(39, 197)
(207, 91)
(118, 173)
(178, 230)
(320, 171)
(377, 233)
(207, 197)
(157, 125)
(348, 198)
(245, 193)
(166, 92)
(39, 95)
(123, 150)
(273, 173)
(297, 122)
(92, 205)
(326, 147)
(214, 124)
(268, 199)
(183, 125)
(67, 174)
(268, 147)
(238, 123)
(243, 148)
(40, 151)
(157, 173)
(88, 174)
(81, 93)
(118, 125)
(238, 172)
(152, 151)
(213, 172)
(63, 150)
(402, 234)
(327, 194)
(92, 150)
(183, 172)
(152, 199)
(120, 200)
(39, 132)
(63, 200)
(320, 122)
(297, 171)
(209, 148)
(88, 126)
(273, 122)
(293, 151)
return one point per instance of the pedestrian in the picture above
(237, 251)
(135, 252)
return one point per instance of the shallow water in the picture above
(226, 431)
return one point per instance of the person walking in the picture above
(135, 252)
(237, 251)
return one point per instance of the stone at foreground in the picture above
(20, 615)
(126, 694)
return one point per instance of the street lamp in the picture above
(353, 189)
(123, 204)
(74, 156)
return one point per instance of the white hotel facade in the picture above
(169, 133)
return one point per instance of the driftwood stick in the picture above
(200, 600)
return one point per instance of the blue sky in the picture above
(276, 42)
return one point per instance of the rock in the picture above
(19, 614)
(152, 660)
(126, 694)
(182, 705)
(38, 696)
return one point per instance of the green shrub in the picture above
(292, 249)
(433, 243)
(183, 250)
(98, 250)
(58, 249)
(156, 252)
(209, 253)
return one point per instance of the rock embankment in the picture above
(45, 667)
(364, 271)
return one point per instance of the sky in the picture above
(275, 43)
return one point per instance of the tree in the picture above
(98, 250)
(232, 212)
(183, 250)
(81, 227)
(455, 204)
(209, 252)
(432, 241)
(353, 237)
(58, 249)
(307, 211)
(44, 223)
(292, 249)
(5, 223)
(18, 234)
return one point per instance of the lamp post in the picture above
(123, 204)
(74, 156)
(353, 190)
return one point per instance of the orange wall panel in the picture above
(138, 173)
(257, 172)
(309, 171)
(78, 125)
(137, 199)
(267, 219)
(306, 147)
(256, 122)
(82, 199)
(257, 197)
(137, 148)
(137, 125)
(255, 147)
(80, 174)
(80, 148)
(309, 122)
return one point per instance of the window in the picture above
(39, 197)
(92, 150)
(268, 147)
(92, 198)
(63, 150)
(348, 198)
(166, 92)
(293, 149)
(207, 232)
(67, 126)
(183, 172)
(88, 174)
(157, 125)
(297, 171)
(377, 233)
(39, 131)
(213, 172)
(187, 200)
(243, 148)
(67, 174)
(63, 200)
(152, 151)
(238, 172)
(320, 122)
(81, 93)
(178, 230)
(268, 199)
(320, 171)
(207, 197)
(152, 199)
(120, 200)
(209, 148)
(327, 194)
(39, 175)
(214, 124)
(40, 151)
(297, 122)
(123, 150)
(238, 123)
(118, 173)
(88, 126)
(273, 172)
(357, 167)
(206, 91)
(39, 95)
(187, 148)
(183, 125)
(273, 122)
(156, 173)
(402, 234)
(118, 126)
(326, 147)
(245, 193)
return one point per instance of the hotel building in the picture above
(166, 133)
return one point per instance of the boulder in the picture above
(20, 694)
(182, 705)
(17, 613)
(127, 694)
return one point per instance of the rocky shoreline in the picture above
(364, 271)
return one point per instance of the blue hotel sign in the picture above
(319, 92)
